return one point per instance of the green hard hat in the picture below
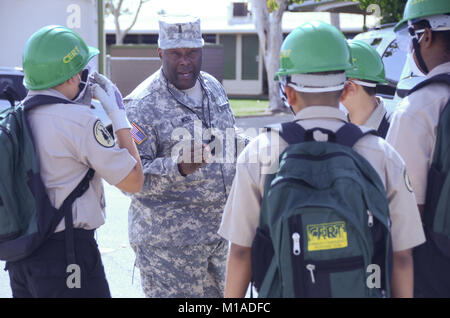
(314, 47)
(367, 63)
(52, 55)
(415, 9)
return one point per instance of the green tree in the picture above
(268, 16)
(391, 11)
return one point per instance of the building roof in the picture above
(338, 6)
(219, 21)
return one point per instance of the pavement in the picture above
(117, 255)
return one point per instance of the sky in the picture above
(205, 9)
(192, 7)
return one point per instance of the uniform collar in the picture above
(321, 112)
(48, 92)
(442, 68)
(377, 115)
(179, 95)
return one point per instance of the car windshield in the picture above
(375, 42)
(394, 59)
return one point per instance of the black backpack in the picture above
(27, 218)
(436, 217)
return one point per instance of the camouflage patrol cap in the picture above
(179, 31)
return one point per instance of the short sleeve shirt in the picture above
(260, 157)
(69, 140)
(414, 126)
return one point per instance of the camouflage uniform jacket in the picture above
(173, 210)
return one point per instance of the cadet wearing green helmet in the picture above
(424, 32)
(364, 107)
(70, 140)
(313, 60)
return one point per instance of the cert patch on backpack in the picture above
(326, 236)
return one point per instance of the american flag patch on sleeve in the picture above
(138, 135)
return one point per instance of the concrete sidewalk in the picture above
(262, 121)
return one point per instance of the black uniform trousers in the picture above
(45, 274)
(431, 271)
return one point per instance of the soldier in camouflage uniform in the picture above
(173, 222)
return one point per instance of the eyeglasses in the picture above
(406, 36)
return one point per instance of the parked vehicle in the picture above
(398, 73)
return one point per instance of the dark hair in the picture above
(333, 96)
(445, 39)
(371, 91)
(443, 36)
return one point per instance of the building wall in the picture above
(243, 66)
(21, 18)
(129, 73)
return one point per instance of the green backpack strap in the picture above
(271, 282)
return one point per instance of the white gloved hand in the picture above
(111, 99)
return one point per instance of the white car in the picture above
(398, 73)
(12, 91)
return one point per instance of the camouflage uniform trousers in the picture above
(196, 271)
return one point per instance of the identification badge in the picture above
(102, 135)
(326, 236)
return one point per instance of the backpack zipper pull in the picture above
(311, 268)
(296, 245)
(370, 219)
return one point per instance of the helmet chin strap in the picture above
(419, 57)
(282, 84)
(416, 46)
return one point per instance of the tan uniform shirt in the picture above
(241, 214)
(414, 126)
(69, 140)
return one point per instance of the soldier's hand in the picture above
(199, 156)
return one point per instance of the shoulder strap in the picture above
(38, 100)
(349, 134)
(293, 133)
(384, 127)
(66, 211)
(440, 78)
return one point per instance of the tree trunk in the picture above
(119, 37)
(117, 11)
(269, 28)
(119, 34)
